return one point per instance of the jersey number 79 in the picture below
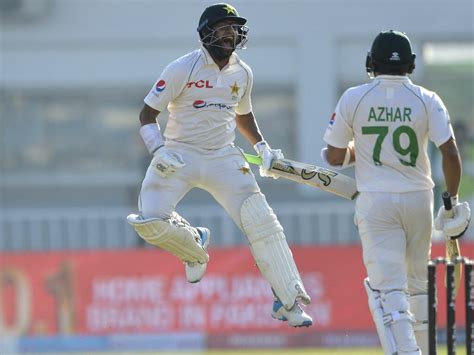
(411, 150)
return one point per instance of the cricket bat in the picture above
(452, 245)
(312, 175)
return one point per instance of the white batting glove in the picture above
(166, 162)
(455, 226)
(268, 155)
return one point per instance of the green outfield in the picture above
(289, 351)
(314, 351)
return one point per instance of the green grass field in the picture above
(317, 351)
(289, 351)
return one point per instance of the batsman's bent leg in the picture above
(195, 271)
(271, 252)
(171, 235)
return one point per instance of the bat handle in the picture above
(253, 159)
(448, 206)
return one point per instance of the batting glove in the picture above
(453, 225)
(268, 155)
(166, 162)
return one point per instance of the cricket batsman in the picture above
(383, 127)
(208, 94)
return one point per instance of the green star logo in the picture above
(234, 89)
(230, 9)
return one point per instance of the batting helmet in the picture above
(219, 12)
(391, 52)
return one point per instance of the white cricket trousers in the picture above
(224, 173)
(395, 230)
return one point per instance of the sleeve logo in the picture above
(160, 86)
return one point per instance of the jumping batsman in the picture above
(208, 94)
(383, 128)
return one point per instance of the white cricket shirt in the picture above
(390, 120)
(201, 99)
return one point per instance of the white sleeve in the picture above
(439, 123)
(245, 104)
(168, 87)
(339, 132)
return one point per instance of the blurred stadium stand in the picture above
(96, 228)
(73, 75)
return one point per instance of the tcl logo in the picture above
(200, 84)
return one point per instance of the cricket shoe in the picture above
(196, 271)
(295, 317)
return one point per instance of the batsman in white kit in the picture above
(208, 94)
(383, 128)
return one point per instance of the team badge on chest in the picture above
(234, 91)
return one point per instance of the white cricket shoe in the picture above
(196, 271)
(296, 317)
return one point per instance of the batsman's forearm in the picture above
(248, 127)
(337, 156)
(451, 163)
(452, 173)
(148, 115)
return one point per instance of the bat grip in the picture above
(253, 159)
(448, 206)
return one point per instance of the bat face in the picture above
(316, 176)
(324, 175)
(305, 171)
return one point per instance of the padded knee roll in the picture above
(174, 235)
(271, 252)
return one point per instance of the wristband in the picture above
(347, 157)
(151, 136)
